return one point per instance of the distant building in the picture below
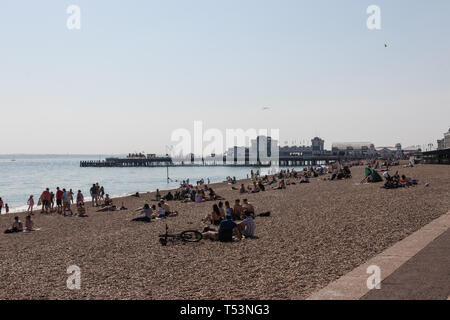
(353, 149)
(262, 149)
(317, 145)
(316, 148)
(445, 142)
(390, 152)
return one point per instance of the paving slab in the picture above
(425, 256)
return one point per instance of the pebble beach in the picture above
(316, 233)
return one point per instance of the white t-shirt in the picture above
(148, 212)
(250, 226)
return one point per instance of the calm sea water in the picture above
(25, 175)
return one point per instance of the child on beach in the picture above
(29, 224)
(30, 204)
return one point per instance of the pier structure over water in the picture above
(167, 161)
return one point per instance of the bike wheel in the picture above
(191, 236)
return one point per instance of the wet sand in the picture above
(316, 233)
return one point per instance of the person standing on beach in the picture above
(52, 201)
(66, 202)
(6, 208)
(71, 196)
(102, 193)
(94, 195)
(59, 196)
(30, 204)
(80, 198)
(1, 205)
(45, 200)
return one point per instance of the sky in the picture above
(138, 70)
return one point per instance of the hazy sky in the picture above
(137, 70)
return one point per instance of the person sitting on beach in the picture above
(242, 189)
(304, 179)
(107, 208)
(214, 217)
(254, 188)
(222, 210)
(237, 210)
(161, 211)
(17, 226)
(247, 226)
(248, 207)
(168, 196)
(29, 224)
(227, 228)
(147, 217)
(166, 208)
(228, 209)
(108, 200)
(261, 185)
(198, 197)
(281, 185)
(81, 210)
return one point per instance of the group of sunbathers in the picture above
(161, 211)
(224, 219)
(398, 181)
(189, 193)
(17, 225)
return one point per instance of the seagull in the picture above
(385, 45)
(265, 108)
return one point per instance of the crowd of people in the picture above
(224, 221)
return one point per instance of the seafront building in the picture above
(444, 143)
(354, 149)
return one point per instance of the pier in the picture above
(166, 161)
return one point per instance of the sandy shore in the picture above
(317, 232)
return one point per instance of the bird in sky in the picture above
(265, 108)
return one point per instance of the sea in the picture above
(25, 175)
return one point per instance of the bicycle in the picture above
(185, 236)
